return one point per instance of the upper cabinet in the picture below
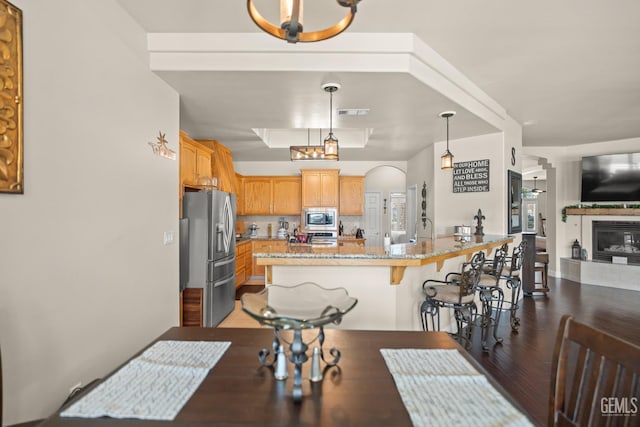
(351, 195)
(320, 187)
(195, 164)
(270, 195)
(257, 194)
(287, 193)
(195, 160)
(239, 194)
(222, 165)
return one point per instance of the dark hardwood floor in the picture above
(522, 363)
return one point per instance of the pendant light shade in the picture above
(446, 160)
(331, 142)
(291, 28)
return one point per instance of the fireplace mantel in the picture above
(604, 211)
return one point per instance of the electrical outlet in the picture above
(75, 387)
(169, 237)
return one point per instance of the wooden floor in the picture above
(522, 363)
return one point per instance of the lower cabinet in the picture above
(241, 266)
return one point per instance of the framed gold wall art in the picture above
(11, 163)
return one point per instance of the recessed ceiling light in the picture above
(353, 111)
(529, 123)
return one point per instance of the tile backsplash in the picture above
(349, 223)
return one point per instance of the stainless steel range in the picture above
(322, 225)
(324, 238)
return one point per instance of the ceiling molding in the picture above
(353, 52)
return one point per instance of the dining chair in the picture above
(24, 424)
(456, 292)
(595, 378)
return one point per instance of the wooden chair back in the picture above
(595, 378)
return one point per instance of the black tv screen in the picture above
(611, 178)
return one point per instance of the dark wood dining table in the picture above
(239, 391)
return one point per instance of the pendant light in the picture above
(291, 27)
(307, 152)
(331, 142)
(536, 190)
(447, 158)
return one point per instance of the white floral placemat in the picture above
(153, 386)
(440, 387)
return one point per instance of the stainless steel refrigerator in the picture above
(211, 255)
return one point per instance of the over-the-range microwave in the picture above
(319, 219)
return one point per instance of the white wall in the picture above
(86, 280)
(453, 209)
(420, 171)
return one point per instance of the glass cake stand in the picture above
(303, 306)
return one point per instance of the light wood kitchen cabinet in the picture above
(248, 260)
(224, 170)
(270, 195)
(195, 162)
(257, 195)
(320, 187)
(239, 194)
(287, 193)
(221, 165)
(241, 266)
(352, 195)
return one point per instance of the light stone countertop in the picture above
(423, 249)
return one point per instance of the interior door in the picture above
(372, 218)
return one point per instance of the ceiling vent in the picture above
(353, 111)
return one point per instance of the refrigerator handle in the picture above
(210, 268)
(227, 226)
(227, 280)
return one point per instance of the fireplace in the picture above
(616, 239)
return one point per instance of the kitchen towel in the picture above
(440, 387)
(153, 386)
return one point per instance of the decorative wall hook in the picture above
(479, 217)
(160, 148)
(384, 206)
(424, 205)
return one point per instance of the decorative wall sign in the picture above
(11, 169)
(471, 176)
(160, 148)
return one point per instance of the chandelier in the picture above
(307, 152)
(447, 158)
(291, 28)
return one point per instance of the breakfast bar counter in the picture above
(387, 283)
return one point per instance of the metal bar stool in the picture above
(456, 292)
(491, 296)
(511, 275)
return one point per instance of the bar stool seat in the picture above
(542, 266)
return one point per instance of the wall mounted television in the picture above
(611, 178)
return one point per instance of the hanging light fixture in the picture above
(535, 189)
(290, 28)
(331, 142)
(307, 152)
(447, 158)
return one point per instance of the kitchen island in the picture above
(387, 283)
